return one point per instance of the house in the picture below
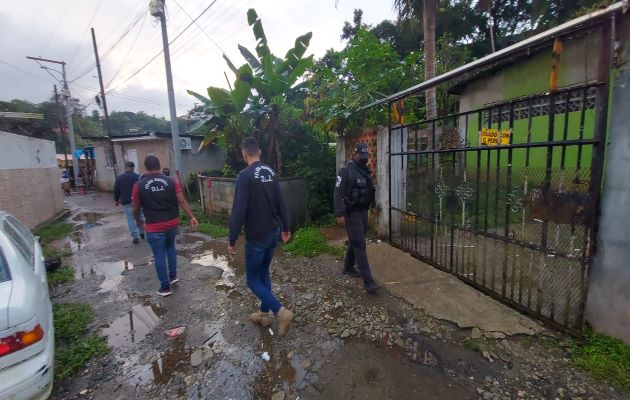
(30, 179)
(137, 147)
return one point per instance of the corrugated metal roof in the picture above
(20, 115)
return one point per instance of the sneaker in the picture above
(175, 280)
(285, 317)
(165, 292)
(261, 318)
(372, 287)
(352, 272)
(135, 241)
(142, 236)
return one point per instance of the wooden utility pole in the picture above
(100, 81)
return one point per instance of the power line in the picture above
(161, 51)
(88, 25)
(19, 69)
(128, 53)
(198, 26)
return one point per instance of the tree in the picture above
(425, 10)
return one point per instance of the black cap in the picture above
(130, 164)
(362, 150)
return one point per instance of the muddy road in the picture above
(344, 343)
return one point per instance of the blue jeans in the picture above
(131, 221)
(163, 246)
(257, 260)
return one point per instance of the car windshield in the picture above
(4, 268)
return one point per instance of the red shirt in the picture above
(157, 226)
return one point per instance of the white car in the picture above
(27, 337)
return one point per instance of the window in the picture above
(109, 158)
(4, 269)
(23, 243)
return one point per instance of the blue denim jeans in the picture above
(163, 246)
(131, 221)
(257, 260)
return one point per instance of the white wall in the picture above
(23, 152)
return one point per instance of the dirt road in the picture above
(344, 344)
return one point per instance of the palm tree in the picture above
(427, 11)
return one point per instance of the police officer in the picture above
(354, 195)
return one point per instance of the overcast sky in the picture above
(60, 30)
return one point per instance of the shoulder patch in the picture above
(338, 184)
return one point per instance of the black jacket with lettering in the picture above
(354, 189)
(158, 198)
(258, 204)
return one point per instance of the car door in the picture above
(28, 246)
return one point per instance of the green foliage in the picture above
(75, 346)
(472, 344)
(53, 252)
(54, 231)
(604, 357)
(127, 122)
(63, 275)
(309, 242)
(216, 231)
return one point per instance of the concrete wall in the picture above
(209, 159)
(218, 196)
(609, 287)
(29, 178)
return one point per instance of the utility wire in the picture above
(88, 25)
(198, 26)
(19, 69)
(161, 51)
(128, 53)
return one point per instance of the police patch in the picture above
(338, 181)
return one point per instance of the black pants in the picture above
(356, 227)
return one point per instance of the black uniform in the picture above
(354, 195)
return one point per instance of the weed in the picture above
(604, 357)
(54, 231)
(472, 344)
(216, 231)
(74, 346)
(65, 274)
(72, 358)
(202, 217)
(309, 242)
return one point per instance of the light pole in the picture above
(157, 10)
(65, 92)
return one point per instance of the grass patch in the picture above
(309, 242)
(202, 218)
(75, 346)
(52, 252)
(604, 357)
(216, 231)
(472, 344)
(54, 231)
(65, 274)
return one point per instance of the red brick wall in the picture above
(368, 137)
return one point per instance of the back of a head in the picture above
(152, 163)
(130, 165)
(250, 146)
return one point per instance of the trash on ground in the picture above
(175, 331)
(265, 356)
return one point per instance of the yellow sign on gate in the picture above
(494, 137)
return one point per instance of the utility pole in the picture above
(66, 96)
(64, 140)
(100, 81)
(157, 9)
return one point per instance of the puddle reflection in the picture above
(135, 326)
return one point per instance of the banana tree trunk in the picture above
(275, 153)
(429, 12)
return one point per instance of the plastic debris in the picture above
(265, 356)
(270, 332)
(175, 331)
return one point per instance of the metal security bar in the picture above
(505, 197)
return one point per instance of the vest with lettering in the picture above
(158, 198)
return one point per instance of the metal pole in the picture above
(64, 139)
(66, 94)
(171, 93)
(100, 81)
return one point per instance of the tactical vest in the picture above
(158, 198)
(359, 189)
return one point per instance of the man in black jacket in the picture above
(258, 205)
(122, 195)
(354, 195)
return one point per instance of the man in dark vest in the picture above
(122, 195)
(354, 195)
(160, 197)
(258, 205)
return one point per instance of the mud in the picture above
(344, 344)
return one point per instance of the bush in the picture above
(65, 274)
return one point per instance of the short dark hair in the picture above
(250, 145)
(152, 163)
(130, 164)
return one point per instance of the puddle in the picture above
(135, 326)
(113, 272)
(75, 242)
(89, 219)
(161, 370)
(211, 258)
